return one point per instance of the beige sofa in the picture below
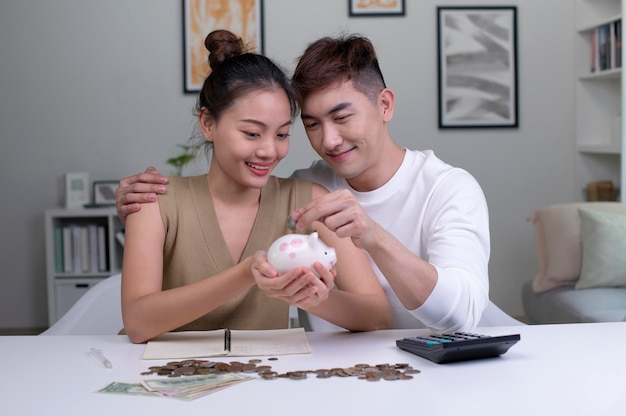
(581, 250)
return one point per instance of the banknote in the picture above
(188, 388)
(133, 389)
(205, 381)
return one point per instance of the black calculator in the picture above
(457, 346)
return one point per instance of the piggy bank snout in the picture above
(331, 257)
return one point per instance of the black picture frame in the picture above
(364, 8)
(104, 193)
(477, 67)
(198, 22)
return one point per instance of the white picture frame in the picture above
(76, 189)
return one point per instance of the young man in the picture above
(424, 223)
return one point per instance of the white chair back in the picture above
(97, 312)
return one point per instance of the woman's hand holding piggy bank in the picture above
(297, 250)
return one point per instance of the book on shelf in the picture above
(76, 248)
(82, 247)
(58, 250)
(93, 248)
(594, 51)
(67, 249)
(102, 249)
(227, 342)
(617, 30)
(606, 47)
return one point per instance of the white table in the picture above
(577, 369)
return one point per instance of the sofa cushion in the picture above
(603, 238)
(569, 305)
(558, 238)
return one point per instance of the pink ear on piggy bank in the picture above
(295, 250)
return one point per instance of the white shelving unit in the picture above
(73, 266)
(599, 107)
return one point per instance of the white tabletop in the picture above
(576, 369)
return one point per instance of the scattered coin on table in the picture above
(389, 372)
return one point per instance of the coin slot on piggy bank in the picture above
(297, 250)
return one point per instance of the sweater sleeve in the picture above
(456, 234)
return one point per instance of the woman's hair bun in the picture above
(222, 45)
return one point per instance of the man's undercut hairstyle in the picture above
(331, 61)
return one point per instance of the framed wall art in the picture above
(477, 48)
(364, 8)
(104, 192)
(242, 17)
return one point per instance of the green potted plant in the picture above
(181, 160)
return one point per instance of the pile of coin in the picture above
(367, 372)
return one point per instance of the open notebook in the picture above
(227, 342)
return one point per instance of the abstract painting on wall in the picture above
(364, 8)
(477, 67)
(200, 17)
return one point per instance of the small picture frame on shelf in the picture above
(76, 189)
(104, 193)
(362, 8)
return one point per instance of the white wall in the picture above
(96, 86)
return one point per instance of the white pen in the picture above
(97, 354)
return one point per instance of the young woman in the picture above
(195, 259)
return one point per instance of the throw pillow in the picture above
(558, 238)
(603, 248)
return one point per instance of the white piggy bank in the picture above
(296, 250)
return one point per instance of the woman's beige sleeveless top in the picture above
(195, 248)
